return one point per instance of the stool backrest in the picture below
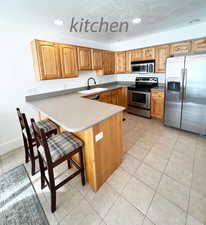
(24, 125)
(41, 140)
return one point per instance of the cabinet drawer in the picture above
(105, 94)
(115, 92)
(157, 94)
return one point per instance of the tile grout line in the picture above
(120, 194)
(187, 211)
(159, 184)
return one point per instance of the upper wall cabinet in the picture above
(68, 58)
(97, 63)
(162, 52)
(137, 55)
(108, 63)
(46, 60)
(85, 58)
(120, 62)
(148, 53)
(128, 62)
(199, 45)
(180, 48)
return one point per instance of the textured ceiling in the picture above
(157, 15)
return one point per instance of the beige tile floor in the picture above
(161, 181)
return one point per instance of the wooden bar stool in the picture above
(49, 127)
(54, 151)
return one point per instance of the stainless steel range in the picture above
(139, 101)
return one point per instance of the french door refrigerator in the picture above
(185, 93)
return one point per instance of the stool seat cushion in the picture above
(46, 124)
(61, 145)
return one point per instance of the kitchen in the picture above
(123, 103)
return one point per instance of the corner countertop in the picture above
(71, 111)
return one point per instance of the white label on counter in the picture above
(99, 136)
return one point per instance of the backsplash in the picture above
(132, 76)
(62, 84)
(81, 81)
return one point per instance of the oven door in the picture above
(140, 68)
(139, 99)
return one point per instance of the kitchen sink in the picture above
(92, 91)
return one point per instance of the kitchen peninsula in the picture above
(97, 123)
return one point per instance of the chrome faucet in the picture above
(91, 78)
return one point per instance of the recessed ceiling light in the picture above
(137, 20)
(58, 22)
(195, 21)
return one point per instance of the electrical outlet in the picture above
(99, 136)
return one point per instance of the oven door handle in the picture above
(139, 92)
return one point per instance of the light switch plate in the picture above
(99, 136)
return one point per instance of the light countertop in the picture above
(73, 112)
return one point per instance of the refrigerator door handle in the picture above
(185, 84)
(182, 74)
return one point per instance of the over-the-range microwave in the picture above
(143, 66)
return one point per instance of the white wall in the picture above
(174, 35)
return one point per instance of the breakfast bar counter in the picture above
(98, 124)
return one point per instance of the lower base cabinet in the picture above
(117, 97)
(157, 104)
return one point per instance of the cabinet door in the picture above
(68, 56)
(148, 53)
(115, 99)
(97, 63)
(180, 48)
(46, 60)
(128, 62)
(123, 97)
(157, 105)
(137, 55)
(199, 45)
(162, 52)
(120, 62)
(85, 58)
(108, 63)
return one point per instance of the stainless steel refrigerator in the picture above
(185, 93)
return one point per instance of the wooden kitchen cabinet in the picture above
(157, 104)
(148, 53)
(97, 62)
(68, 59)
(162, 52)
(128, 62)
(108, 63)
(115, 99)
(137, 55)
(105, 97)
(115, 95)
(199, 45)
(123, 97)
(46, 60)
(84, 58)
(180, 48)
(120, 62)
